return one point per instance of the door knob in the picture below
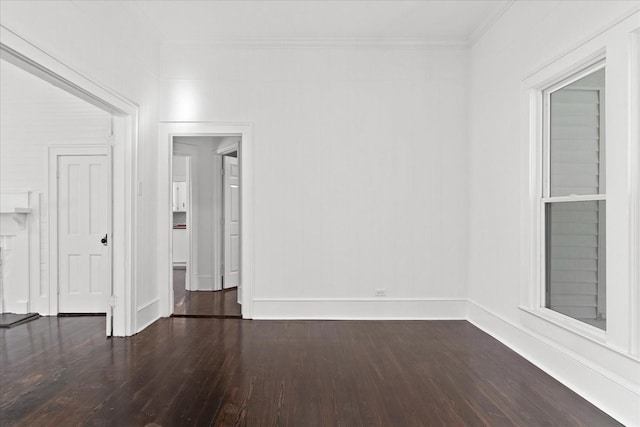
(104, 240)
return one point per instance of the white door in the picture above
(84, 233)
(231, 185)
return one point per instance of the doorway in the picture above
(167, 133)
(41, 287)
(205, 226)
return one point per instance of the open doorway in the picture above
(69, 154)
(205, 226)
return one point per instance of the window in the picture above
(574, 197)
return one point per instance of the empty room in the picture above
(320, 213)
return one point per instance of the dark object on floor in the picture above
(9, 320)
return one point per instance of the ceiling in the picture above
(456, 22)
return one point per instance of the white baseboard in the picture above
(602, 388)
(360, 309)
(202, 282)
(147, 314)
(40, 305)
(17, 307)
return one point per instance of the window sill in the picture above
(574, 326)
(577, 328)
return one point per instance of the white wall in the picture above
(36, 115)
(360, 168)
(362, 171)
(110, 43)
(529, 36)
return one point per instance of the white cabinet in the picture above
(180, 246)
(180, 197)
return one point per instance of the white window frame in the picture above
(545, 197)
(566, 347)
(618, 44)
(537, 86)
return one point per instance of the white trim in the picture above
(227, 149)
(360, 308)
(578, 198)
(581, 45)
(537, 87)
(369, 299)
(570, 324)
(563, 79)
(634, 190)
(217, 226)
(491, 20)
(542, 172)
(612, 392)
(166, 132)
(148, 313)
(623, 322)
(206, 282)
(590, 66)
(305, 43)
(579, 345)
(38, 297)
(29, 57)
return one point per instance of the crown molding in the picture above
(274, 43)
(485, 26)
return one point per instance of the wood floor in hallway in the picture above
(231, 372)
(222, 303)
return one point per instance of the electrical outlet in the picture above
(380, 292)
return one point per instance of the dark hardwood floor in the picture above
(203, 303)
(229, 372)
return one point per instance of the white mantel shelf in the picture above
(19, 215)
(16, 205)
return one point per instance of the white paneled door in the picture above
(231, 185)
(84, 233)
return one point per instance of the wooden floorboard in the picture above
(192, 372)
(222, 303)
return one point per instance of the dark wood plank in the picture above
(63, 371)
(203, 303)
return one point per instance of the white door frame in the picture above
(36, 61)
(227, 149)
(166, 132)
(219, 197)
(56, 151)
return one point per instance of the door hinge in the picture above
(112, 301)
(221, 171)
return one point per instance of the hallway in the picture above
(221, 304)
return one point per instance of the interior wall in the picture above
(360, 171)
(110, 43)
(529, 36)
